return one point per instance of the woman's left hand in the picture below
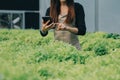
(61, 26)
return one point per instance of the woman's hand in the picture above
(46, 27)
(61, 26)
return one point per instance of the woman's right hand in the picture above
(46, 27)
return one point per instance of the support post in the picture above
(96, 15)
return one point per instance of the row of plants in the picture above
(25, 55)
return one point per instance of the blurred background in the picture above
(100, 15)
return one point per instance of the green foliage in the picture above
(74, 57)
(25, 55)
(100, 49)
(44, 73)
(112, 35)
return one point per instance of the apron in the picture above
(66, 36)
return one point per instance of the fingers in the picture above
(47, 27)
(61, 26)
(47, 22)
(44, 24)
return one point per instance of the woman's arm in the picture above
(80, 19)
(46, 27)
(62, 26)
(44, 33)
(72, 29)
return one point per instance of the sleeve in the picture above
(43, 33)
(46, 14)
(80, 19)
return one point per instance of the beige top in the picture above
(67, 36)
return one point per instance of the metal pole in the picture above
(11, 16)
(96, 15)
(23, 20)
(39, 14)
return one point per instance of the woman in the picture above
(69, 21)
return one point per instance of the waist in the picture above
(65, 36)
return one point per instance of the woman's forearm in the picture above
(72, 29)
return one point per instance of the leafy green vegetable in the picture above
(26, 55)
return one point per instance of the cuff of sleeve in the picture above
(43, 33)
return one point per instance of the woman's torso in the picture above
(66, 36)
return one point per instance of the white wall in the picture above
(44, 4)
(109, 16)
